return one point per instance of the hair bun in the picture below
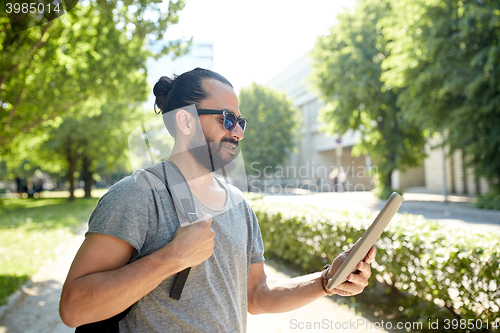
(161, 90)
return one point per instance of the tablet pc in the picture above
(359, 252)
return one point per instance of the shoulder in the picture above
(151, 178)
(123, 195)
(236, 192)
(123, 187)
(142, 179)
(136, 187)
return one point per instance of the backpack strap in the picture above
(178, 188)
(182, 196)
(180, 192)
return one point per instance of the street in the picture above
(457, 213)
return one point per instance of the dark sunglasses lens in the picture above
(230, 121)
(243, 124)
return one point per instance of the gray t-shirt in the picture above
(139, 210)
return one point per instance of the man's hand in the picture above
(193, 244)
(356, 282)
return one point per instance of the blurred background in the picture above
(347, 101)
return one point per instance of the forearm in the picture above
(101, 295)
(268, 296)
(272, 295)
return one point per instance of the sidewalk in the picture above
(34, 309)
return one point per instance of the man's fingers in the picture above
(356, 282)
(358, 279)
(364, 269)
(343, 286)
(371, 255)
(350, 288)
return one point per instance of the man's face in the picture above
(222, 143)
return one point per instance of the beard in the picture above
(208, 154)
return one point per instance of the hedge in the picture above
(490, 200)
(454, 269)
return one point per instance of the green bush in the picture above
(250, 196)
(453, 269)
(490, 200)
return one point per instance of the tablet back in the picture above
(359, 252)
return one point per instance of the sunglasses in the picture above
(230, 118)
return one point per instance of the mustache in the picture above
(230, 140)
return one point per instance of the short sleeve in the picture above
(257, 243)
(123, 212)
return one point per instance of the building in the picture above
(321, 154)
(448, 174)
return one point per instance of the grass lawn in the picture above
(31, 230)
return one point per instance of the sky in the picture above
(254, 40)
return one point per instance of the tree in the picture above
(67, 71)
(78, 148)
(270, 133)
(106, 146)
(346, 71)
(95, 50)
(91, 143)
(448, 61)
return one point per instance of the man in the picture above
(135, 247)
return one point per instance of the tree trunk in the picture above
(71, 157)
(391, 159)
(87, 176)
(388, 181)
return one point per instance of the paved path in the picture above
(35, 308)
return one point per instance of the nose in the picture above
(237, 132)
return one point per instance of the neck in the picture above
(198, 177)
(201, 181)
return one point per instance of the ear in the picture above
(184, 122)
